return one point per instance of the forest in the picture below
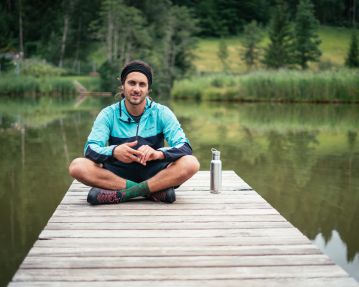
(79, 37)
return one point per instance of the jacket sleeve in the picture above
(178, 143)
(96, 148)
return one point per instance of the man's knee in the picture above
(189, 166)
(77, 167)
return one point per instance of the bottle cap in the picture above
(215, 153)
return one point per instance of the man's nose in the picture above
(137, 88)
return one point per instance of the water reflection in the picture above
(303, 159)
(36, 148)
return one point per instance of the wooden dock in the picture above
(234, 238)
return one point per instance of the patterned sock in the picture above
(130, 183)
(104, 196)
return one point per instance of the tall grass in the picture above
(284, 85)
(28, 86)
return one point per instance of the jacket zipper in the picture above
(138, 126)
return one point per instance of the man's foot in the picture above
(102, 196)
(167, 195)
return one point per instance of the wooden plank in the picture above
(199, 273)
(160, 242)
(169, 219)
(112, 211)
(258, 282)
(52, 262)
(193, 233)
(166, 226)
(163, 206)
(171, 250)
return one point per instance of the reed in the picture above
(283, 86)
(28, 86)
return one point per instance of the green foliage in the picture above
(5, 64)
(223, 54)
(40, 68)
(108, 77)
(251, 39)
(133, 32)
(278, 52)
(282, 85)
(352, 60)
(226, 17)
(29, 86)
(306, 40)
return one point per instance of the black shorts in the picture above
(137, 172)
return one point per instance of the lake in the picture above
(302, 158)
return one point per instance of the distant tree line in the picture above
(228, 17)
(162, 32)
(66, 32)
(293, 42)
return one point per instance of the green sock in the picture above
(140, 189)
(130, 183)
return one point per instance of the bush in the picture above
(39, 68)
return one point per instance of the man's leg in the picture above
(175, 174)
(107, 186)
(89, 173)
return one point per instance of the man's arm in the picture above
(178, 143)
(96, 148)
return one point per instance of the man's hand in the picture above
(149, 154)
(127, 154)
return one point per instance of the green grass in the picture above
(334, 46)
(56, 86)
(283, 85)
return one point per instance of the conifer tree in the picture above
(277, 54)
(251, 39)
(352, 60)
(306, 43)
(223, 54)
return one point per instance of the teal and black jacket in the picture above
(114, 126)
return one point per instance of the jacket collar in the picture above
(124, 114)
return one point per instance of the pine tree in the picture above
(251, 39)
(306, 43)
(352, 60)
(277, 54)
(223, 54)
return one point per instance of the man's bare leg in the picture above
(89, 173)
(174, 175)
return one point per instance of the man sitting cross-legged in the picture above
(125, 155)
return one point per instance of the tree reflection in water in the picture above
(303, 159)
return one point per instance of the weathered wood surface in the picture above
(234, 238)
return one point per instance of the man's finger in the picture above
(147, 156)
(135, 152)
(130, 144)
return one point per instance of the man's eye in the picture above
(142, 85)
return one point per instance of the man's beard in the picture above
(137, 101)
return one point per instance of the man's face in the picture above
(135, 88)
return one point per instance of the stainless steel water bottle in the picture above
(216, 171)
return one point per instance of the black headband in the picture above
(136, 67)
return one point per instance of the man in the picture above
(125, 155)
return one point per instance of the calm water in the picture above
(303, 159)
